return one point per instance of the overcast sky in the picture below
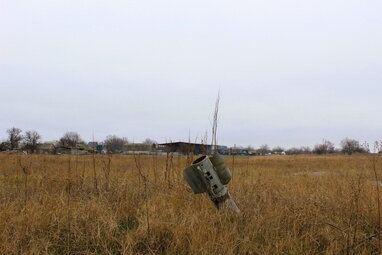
(291, 73)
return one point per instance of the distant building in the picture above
(93, 144)
(46, 148)
(99, 148)
(96, 146)
(239, 151)
(194, 148)
(131, 147)
(72, 151)
(222, 149)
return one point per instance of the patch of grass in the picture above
(135, 210)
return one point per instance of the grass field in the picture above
(141, 205)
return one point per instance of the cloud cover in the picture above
(290, 72)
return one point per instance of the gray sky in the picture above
(290, 72)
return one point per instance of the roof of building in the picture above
(186, 143)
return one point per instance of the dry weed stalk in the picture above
(377, 149)
(82, 178)
(233, 164)
(95, 180)
(190, 151)
(106, 170)
(145, 180)
(215, 125)
(68, 194)
(169, 167)
(155, 164)
(25, 167)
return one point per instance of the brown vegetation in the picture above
(141, 205)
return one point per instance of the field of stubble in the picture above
(141, 205)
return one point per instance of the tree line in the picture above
(347, 146)
(16, 140)
(113, 144)
(30, 140)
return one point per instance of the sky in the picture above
(290, 73)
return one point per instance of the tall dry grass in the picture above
(141, 205)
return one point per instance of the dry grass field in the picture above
(141, 205)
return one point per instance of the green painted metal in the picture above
(221, 168)
(195, 179)
(210, 177)
(99, 148)
(204, 169)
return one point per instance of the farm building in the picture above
(138, 148)
(239, 151)
(46, 148)
(73, 151)
(194, 148)
(96, 146)
(130, 147)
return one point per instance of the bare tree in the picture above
(249, 148)
(4, 145)
(31, 139)
(326, 147)
(14, 137)
(293, 151)
(70, 139)
(263, 149)
(114, 144)
(149, 141)
(300, 150)
(306, 150)
(278, 150)
(350, 146)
